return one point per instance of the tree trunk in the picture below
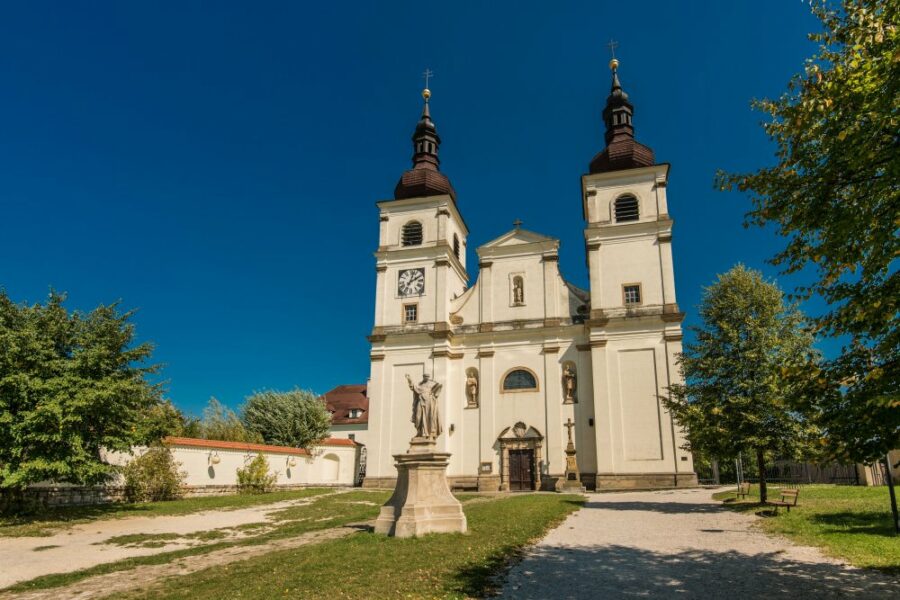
(761, 463)
(890, 482)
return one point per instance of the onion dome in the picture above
(622, 150)
(425, 178)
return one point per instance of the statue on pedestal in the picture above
(422, 502)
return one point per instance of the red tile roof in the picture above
(344, 397)
(223, 445)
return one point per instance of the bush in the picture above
(255, 477)
(153, 476)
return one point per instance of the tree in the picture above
(296, 418)
(833, 193)
(221, 423)
(71, 385)
(161, 420)
(742, 373)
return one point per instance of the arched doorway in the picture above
(520, 458)
(331, 466)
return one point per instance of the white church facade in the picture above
(521, 351)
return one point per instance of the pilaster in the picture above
(603, 426)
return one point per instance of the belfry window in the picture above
(412, 234)
(519, 380)
(626, 209)
(456, 246)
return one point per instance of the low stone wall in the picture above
(52, 496)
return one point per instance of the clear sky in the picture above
(216, 165)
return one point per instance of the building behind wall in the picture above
(522, 350)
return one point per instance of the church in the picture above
(521, 356)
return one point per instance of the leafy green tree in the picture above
(743, 374)
(221, 423)
(834, 194)
(71, 385)
(296, 418)
(161, 420)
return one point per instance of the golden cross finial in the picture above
(426, 75)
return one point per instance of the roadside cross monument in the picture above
(571, 480)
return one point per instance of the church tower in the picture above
(635, 323)
(420, 268)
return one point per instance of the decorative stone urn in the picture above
(422, 502)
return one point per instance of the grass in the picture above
(51, 521)
(323, 513)
(849, 522)
(367, 565)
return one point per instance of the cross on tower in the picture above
(569, 425)
(518, 223)
(613, 44)
(427, 74)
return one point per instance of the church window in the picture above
(456, 246)
(626, 208)
(518, 380)
(412, 234)
(410, 313)
(632, 293)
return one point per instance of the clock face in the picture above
(411, 282)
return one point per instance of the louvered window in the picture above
(412, 234)
(626, 209)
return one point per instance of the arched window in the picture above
(412, 234)
(456, 246)
(519, 380)
(626, 209)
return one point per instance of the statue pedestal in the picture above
(422, 502)
(571, 480)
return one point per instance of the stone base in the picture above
(488, 483)
(568, 486)
(422, 502)
(644, 481)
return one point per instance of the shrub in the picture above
(255, 477)
(153, 476)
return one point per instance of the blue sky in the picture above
(216, 165)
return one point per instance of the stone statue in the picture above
(570, 383)
(472, 388)
(425, 409)
(518, 291)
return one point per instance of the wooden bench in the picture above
(743, 489)
(788, 499)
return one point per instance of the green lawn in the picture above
(52, 520)
(366, 565)
(849, 522)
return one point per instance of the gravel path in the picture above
(85, 545)
(682, 544)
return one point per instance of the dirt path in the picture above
(112, 584)
(84, 546)
(680, 544)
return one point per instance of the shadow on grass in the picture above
(871, 523)
(627, 572)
